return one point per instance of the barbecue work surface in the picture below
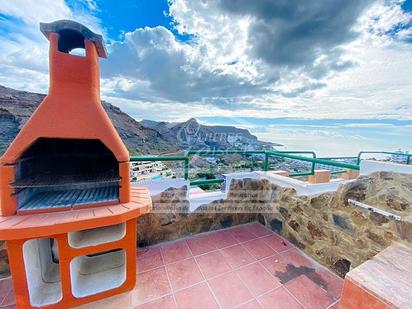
(39, 225)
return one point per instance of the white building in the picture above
(148, 170)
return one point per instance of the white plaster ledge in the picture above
(368, 167)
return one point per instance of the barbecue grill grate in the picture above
(66, 181)
(69, 198)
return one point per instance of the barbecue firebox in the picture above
(68, 211)
(61, 173)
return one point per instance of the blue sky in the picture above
(130, 15)
(336, 71)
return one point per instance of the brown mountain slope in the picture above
(17, 106)
(146, 137)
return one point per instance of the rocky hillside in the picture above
(140, 137)
(193, 135)
(17, 106)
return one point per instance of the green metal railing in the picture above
(315, 161)
(407, 155)
(293, 155)
(191, 153)
(269, 154)
(338, 158)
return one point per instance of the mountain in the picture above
(17, 106)
(193, 135)
(145, 137)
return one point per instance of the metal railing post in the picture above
(266, 162)
(359, 157)
(186, 168)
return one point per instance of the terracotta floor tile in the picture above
(184, 273)
(258, 229)
(279, 299)
(275, 265)
(287, 268)
(175, 251)
(277, 243)
(237, 256)
(118, 301)
(9, 299)
(5, 287)
(198, 296)
(241, 234)
(251, 305)
(201, 244)
(297, 258)
(259, 249)
(150, 285)
(148, 259)
(246, 276)
(223, 239)
(333, 283)
(257, 278)
(213, 264)
(308, 293)
(334, 306)
(229, 290)
(165, 302)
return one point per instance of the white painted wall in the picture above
(158, 186)
(94, 274)
(97, 236)
(368, 167)
(303, 187)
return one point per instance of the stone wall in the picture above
(340, 235)
(336, 234)
(170, 218)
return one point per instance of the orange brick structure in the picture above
(68, 211)
(350, 174)
(320, 176)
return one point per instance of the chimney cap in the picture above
(75, 34)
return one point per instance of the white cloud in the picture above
(24, 50)
(365, 75)
(172, 70)
(43, 10)
(317, 61)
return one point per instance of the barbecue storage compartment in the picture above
(68, 212)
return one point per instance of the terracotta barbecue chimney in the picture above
(68, 212)
(69, 139)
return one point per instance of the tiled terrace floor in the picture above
(246, 266)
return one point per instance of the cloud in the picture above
(23, 48)
(240, 50)
(275, 58)
(170, 70)
(43, 10)
(295, 33)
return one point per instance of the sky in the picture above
(330, 76)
